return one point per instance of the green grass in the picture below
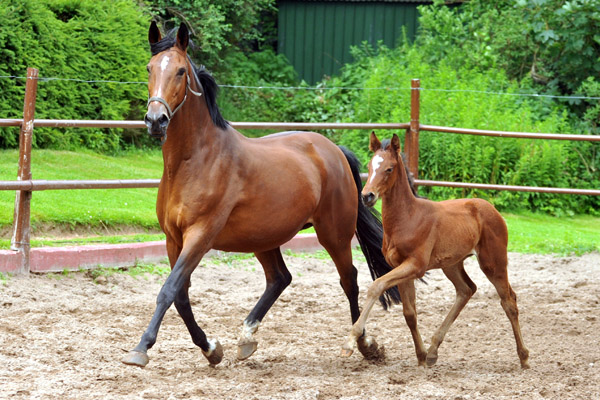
(544, 234)
(98, 208)
(97, 216)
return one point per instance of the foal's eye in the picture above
(389, 170)
(148, 68)
(181, 71)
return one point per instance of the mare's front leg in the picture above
(195, 244)
(278, 278)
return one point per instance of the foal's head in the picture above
(168, 79)
(383, 168)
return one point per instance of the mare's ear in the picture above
(395, 142)
(374, 143)
(154, 35)
(183, 37)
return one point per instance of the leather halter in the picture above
(171, 113)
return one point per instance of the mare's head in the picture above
(168, 79)
(383, 168)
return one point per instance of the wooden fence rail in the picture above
(25, 185)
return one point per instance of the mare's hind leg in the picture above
(341, 254)
(494, 267)
(465, 289)
(278, 278)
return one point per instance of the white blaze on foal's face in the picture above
(375, 164)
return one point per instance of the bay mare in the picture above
(420, 235)
(224, 191)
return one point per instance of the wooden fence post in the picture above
(21, 222)
(411, 143)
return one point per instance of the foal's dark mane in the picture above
(206, 80)
(385, 143)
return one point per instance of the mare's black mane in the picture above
(206, 80)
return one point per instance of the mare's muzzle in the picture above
(157, 123)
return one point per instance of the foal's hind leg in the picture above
(494, 267)
(465, 288)
(278, 278)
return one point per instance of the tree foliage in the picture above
(218, 27)
(550, 46)
(82, 40)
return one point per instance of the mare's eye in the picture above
(148, 68)
(181, 71)
(389, 170)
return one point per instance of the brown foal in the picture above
(420, 235)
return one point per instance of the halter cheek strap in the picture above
(170, 112)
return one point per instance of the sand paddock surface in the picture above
(62, 337)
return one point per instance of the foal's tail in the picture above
(369, 232)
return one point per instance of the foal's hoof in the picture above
(346, 352)
(246, 348)
(215, 354)
(370, 350)
(136, 358)
(431, 359)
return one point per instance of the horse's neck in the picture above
(192, 134)
(399, 201)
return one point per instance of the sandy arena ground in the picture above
(62, 337)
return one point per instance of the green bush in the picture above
(85, 40)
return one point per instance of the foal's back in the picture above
(461, 228)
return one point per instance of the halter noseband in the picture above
(171, 113)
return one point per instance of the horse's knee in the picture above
(410, 316)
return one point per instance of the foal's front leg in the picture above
(407, 294)
(408, 270)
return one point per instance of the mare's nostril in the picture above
(163, 120)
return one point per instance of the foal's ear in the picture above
(374, 143)
(396, 146)
(154, 35)
(183, 37)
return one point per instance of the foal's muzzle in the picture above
(369, 199)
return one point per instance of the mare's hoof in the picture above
(136, 358)
(370, 350)
(525, 364)
(246, 348)
(214, 355)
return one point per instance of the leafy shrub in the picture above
(84, 39)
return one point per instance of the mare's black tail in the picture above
(369, 232)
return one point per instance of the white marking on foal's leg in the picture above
(375, 163)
